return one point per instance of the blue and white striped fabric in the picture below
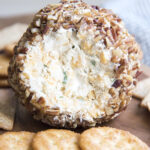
(136, 15)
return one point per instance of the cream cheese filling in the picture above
(60, 70)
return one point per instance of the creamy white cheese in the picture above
(69, 76)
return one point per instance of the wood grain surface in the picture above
(134, 119)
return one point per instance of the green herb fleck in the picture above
(93, 62)
(61, 97)
(65, 78)
(73, 46)
(45, 65)
(113, 80)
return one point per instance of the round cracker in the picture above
(9, 49)
(16, 141)
(56, 139)
(105, 138)
(4, 63)
(11, 34)
(4, 83)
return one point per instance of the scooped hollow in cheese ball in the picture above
(76, 65)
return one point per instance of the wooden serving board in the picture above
(134, 119)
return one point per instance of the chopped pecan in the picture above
(44, 18)
(114, 34)
(121, 69)
(95, 7)
(118, 19)
(138, 73)
(126, 83)
(122, 95)
(20, 57)
(123, 62)
(41, 100)
(75, 1)
(96, 21)
(45, 29)
(103, 58)
(117, 83)
(134, 83)
(30, 96)
(130, 50)
(23, 50)
(107, 42)
(53, 112)
(112, 92)
(114, 59)
(68, 26)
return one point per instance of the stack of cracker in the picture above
(4, 62)
(102, 138)
(9, 37)
(7, 109)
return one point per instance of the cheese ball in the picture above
(75, 66)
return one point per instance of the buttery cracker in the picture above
(105, 138)
(142, 88)
(16, 140)
(7, 109)
(56, 140)
(4, 83)
(10, 36)
(4, 63)
(146, 101)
